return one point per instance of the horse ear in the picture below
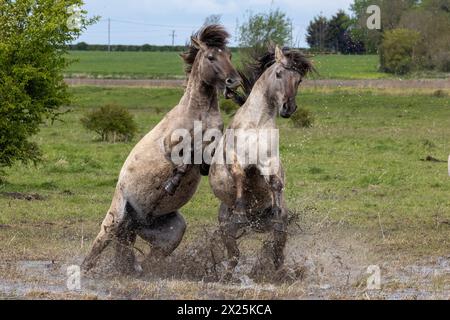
(197, 43)
(279, 55)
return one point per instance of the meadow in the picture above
(168, 65)
(361, 168)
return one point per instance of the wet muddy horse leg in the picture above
(102, 241)
(229, 232)
(279, 222)
(118, 228)
(125, 259)
(239, 213)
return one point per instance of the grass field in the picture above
(359, 168)
(168, 65)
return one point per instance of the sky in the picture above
(153, 21)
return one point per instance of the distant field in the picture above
(168, 65)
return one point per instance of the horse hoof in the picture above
(170, 188)
(226, 278)
(240, 218)
(138, 271)
(87, 266)
(279, 226)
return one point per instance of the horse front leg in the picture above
(173, 184)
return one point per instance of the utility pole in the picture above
(292, 35)
(109, 34)
(173, 37)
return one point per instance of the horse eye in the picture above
(210, 57)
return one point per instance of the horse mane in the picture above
(257, 60)
(214, 36)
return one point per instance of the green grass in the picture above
(151, 65)
(168, 65)
(348, 67)
(360, 164)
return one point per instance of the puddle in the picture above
(317, 267)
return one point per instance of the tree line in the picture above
(414, 34)
(83, 46)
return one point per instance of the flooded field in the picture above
(326, 263)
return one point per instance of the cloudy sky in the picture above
(152, 21)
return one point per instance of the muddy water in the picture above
(318, 266)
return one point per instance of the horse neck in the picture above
(199, 96)
(259, 105)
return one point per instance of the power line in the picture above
(151, 24)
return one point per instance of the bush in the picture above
(111, 123)
(228, 106)
(440, 94)
(397, 50)
(442, 61)
(303, 118)
(33, 39)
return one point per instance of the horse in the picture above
(252, 194)
(151, 187)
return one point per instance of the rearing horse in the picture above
(252, 193)
(151, 188)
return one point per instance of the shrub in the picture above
(397, 50)
(303, 118)
(440, 94)
(442, 61)
(111, 123)
(33, 39)
(228, 106)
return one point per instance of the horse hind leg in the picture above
(164, 234)
(240, 207)
(229, 231)
(278, 246)
(103, 239)
(279, 222)
(117, 228)
(125, 238)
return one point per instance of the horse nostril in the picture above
(232, 83)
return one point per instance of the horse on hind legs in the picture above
(151, 187)
(252, 193)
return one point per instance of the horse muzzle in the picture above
(288, 109)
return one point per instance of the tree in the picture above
(317, 33)
(397, 50)
(33, 39)
(263, 28)
(432, 21)
(333, 35)
(391, 13)
(212, 19)
(336, 36)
